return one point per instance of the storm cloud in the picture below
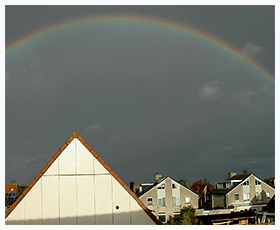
(146, 100)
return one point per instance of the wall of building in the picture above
(252, 188)
(218, 200)
(169, 209)
(77, 189)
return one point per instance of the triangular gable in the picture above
(66, 192)
(246, 178)
(163, 181)
(184, 187)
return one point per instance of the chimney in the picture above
(131, 186)
(157, 177)
(231, 174)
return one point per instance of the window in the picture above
(161, 201)
(246, 196)
(258, 196)
(176, 200)
(187, 199)
(162, 217)
(236, 196)
(161, 186)
(267, 194)
(257, 182)
(150, 201)
(246, 182)
(174, 186)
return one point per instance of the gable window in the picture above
(267, 194)
(236, 196)
(162, 217)
(150, 201)
(161, 201)
(174, 186)
(187, 199)
(257, 182)
(246, 182)
(176, 200)
(161, 186)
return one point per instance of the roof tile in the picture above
(32, 184)
(101, 160)
(45, 168)
(63, 147)
(75, 134)
(68, 141)
(38, 176)
(88, 146)
(114, 174)
(120, 181)
(56, 154)
(95, 154)
(106, 166)
(82, 140)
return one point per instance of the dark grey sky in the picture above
(146, 100)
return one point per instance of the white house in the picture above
(78, 187)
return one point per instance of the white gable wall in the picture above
(77, 189)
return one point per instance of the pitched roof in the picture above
(101, 161)
(239, 177)
(161, 180)
(221, 191)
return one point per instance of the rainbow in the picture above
(147, 23)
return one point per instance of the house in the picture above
(11, 193)
(167, 197)
(242, 192)
(78, 187)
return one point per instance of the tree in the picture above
(203, 189)
(186, 217)
(270, 181)
(184, 183)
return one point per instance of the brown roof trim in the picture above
(96, 155)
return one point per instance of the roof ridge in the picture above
(101, 161)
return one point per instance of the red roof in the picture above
(96, 155)
(10, 186)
